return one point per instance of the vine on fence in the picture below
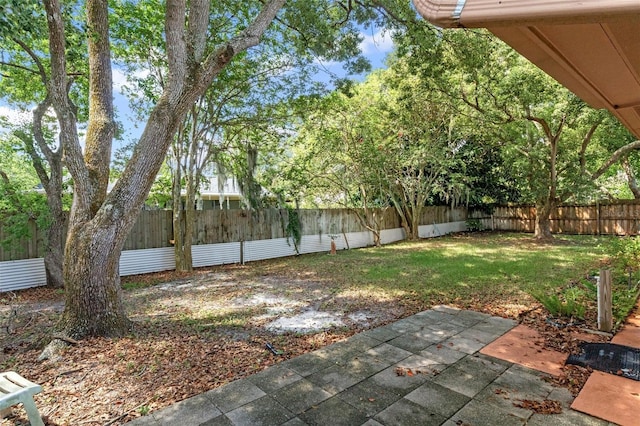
(293, 229)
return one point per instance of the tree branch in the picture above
(197, 29)
(620, 152)
(41, 71)
(585, 143)
(176, 47)
(57, 87)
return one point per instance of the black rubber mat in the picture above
(610, 358)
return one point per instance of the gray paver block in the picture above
(334, 412)
(498, 323)
(352, 346)
(389, 353)
(307, 364)
(362, 342)
(421, 365)
(365, 365)
(406, 326)
(383, 333)
(296, 421)
(468, 318)
(447, 328)
(495, 326)
(369, 397)
(463, 344)
(411, 343)
(566, 418)
(468, 376)
(489, 362)
(479, 413)
(407, 413)
(505, 398)
(563, 395)
(371, 422)
(433, 336)
(235, 394)
(477, 335)
(264, 411)
(473, 315)
(334, 379)
(218, 421)
(442, 354)
(526, 383)
(194, 410)
(300, 396)
(274, 377)
(401, 385)
(438, 399)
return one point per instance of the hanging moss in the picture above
(293, 229)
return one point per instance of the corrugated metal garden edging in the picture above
(21, 274)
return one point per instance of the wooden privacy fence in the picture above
(154, 228)
(615, 218)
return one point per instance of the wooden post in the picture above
(598, 224)
(333, 247)
(605, 316)
(242, 252)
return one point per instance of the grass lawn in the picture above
(196, 332)
(467, 270)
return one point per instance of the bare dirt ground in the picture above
(197, 332)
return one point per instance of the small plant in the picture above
(625, 254)
(571, 303)
(474, 225)
(144, 410)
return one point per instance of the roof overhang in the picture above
(592, 47)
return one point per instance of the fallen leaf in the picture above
(547, 406)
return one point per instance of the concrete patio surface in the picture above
(422, 370)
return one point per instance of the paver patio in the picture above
(421, 370)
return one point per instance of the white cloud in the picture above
(379, 42)
(14, 116)
(120, 79)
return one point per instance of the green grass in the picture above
(463, 268)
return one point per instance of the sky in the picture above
(376, 45)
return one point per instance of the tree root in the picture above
(53, 351)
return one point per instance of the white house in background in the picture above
(219, 195)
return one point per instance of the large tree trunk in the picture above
(54, 254)
(91, 272)
(543, 221)
(189, 216)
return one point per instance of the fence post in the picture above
(598, 226)
(242, 252)
(605, 316)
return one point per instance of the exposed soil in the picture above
(197, 332)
